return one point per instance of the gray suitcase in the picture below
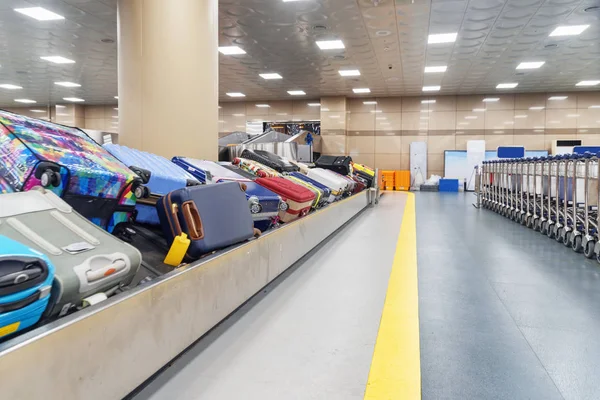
(88, 260)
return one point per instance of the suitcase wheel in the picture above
(50, 178)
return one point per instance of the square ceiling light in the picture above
(26, 101)
(349, 72)
(330, 44)
(296, 92)
(479, 110)
(536, 108)
(491, 99)
(506, 85)
(430, 70)
(67, 84)
(369, 103)
(58, 60)
(431, 88)
(39, 13)
(271, 75)
(442, 38)
(531, 65)
(569, 30)
(73, 99)
(588, 83)
(361, 90)
(37, 111)
(314, 104)
(231, 50)
(10, 86)
(236, 94)
(428, 101)
(557, 98)
(263, 106)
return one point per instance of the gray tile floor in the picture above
(308, 336)
(505, 313)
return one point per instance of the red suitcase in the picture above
(298, 198)
(360, 185)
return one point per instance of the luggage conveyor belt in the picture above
(106, 351)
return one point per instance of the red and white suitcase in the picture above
(255, 168)
(298, 198)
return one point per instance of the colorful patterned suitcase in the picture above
(326, 190)
(68, 162)
(212, 216)
(269, 159)
(335, 182)
(255, 168)
(26, 278)
(341, 165)
(264, 204)
(298, 198)
(164, 178)
(88, 261)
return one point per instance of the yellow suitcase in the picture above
(363, 168)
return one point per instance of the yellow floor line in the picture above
(396, 366)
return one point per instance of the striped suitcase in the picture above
(164, 178)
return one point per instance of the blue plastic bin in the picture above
(448, 185)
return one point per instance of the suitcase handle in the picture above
(193, 220)
(109, 270)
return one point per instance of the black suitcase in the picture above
(341, 164)
(271, 160)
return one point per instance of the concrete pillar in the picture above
(169, 76)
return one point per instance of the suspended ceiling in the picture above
(386, 40)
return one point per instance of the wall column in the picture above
(169, 76)
(333, 126)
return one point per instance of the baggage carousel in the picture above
(107, 350)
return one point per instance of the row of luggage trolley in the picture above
(554, 195)
(80, 222)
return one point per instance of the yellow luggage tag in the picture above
(177, 251)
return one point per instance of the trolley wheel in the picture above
(550, 231)
(576, 243)
(558, 234)
(588, 251)
(598, 257)
(536, 224)
(566, 239)
(50, 178)
(529, 221)
(544, 228)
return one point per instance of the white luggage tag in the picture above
(76, 248)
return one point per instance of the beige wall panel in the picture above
(561, 118)
(492, 142)
(444, 103)
(389, 104)
(439, 144)
(334, 103)
(506, 102)
(361, 121)
(407, 140)
(238, 107)
(280, 107)
(366, 159)
(411, 121)
(569, 102)
(94, 112)
(464, 123)
(442, 120)
(495, 120)
(461, 140)
(525, 100)
(530, 142)
(388, 144)
(468, 103)
(405, 162)
(97, 124)
(388, 122)
(358, 106)
(111, 111)
(534, 119)
(360, 145)
(435, 162)
(588, 118)
(334, 144)
(387, 161)
(588, 99)
(301, 107)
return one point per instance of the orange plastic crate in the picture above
(402, 180)
(388, 179)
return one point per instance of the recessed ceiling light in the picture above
(39, 13)
(314, 104)
(471, 117)
(554, 122)
(491, 99)
(10, 86)
(117, 97)
(424, 117)
(531, 65)
(588, 83)
(464, 123)
(330, 44)
(509, 122)
(334, 116)
(231, 50)
(573, 115)
(236, 94)
(536, 108)
(594, 106)
(115, 116)
(59, 106)
(369, 103)
(296, 92)
(442, 38)
(431, 88)
(479, 110)
(521, 116)
(381, 118)
(322, 109)
(73, 99)
(238, 115)
(429, 70)
(377, 111)
(569, 30)
(426, 111)
(271, 76)
(427, 101)
(384, 123)
(349, 72)
(263, 106)
(362, 90)
(58, 60)
(37, 111)
(506, 85)
(27, 101)
(67, 84)
(116, 108)
(498, 132)
(556, 98)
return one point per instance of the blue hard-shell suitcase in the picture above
(164, 177)
(325, 189)
(212, 216)
(26, 277)
(264, 204)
